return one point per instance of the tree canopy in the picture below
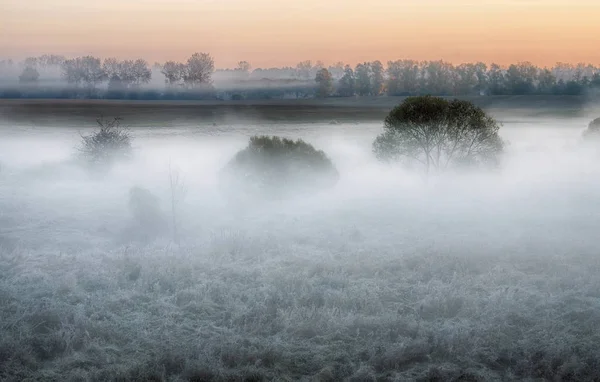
(198, 78)
(437, 134)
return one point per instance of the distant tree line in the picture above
(440, 78)
(54, 76)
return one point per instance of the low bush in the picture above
(274, 168)
(110, 143)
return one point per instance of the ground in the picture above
(380, 279)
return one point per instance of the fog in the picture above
(544, 158)
(386, 275)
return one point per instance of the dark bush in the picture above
(108, 144)
(274, 167)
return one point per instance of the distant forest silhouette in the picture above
(88, 77)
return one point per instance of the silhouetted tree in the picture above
(47, 60)
(572, 88)
(304, 68)
(244, 66)
(438, 77)
(521, 78)
(31, 62)
(466, 79)
(546, 81)
(496, 80)
(324, 82)
(347, 86)
(438, 134)
(29, 76)
(87, 70)
(403, 77)
(362, 74)
(199, 70)
(595, 80)
(377, 78)
(106, 145)
(173, 72)
(112, 67)
(482, 77)
(141, 73)
(337, 70)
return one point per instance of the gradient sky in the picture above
(283, 32)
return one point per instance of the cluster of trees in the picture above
(196, 72)
(410, 77)
(92, 77)
(85, 76)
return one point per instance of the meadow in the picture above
(466, 277)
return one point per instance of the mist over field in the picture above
(386, 276)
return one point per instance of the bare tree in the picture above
(303, 69)
(112, 142)
(173, 72)
(141, 72)
(199, 70)
(87, 70)
(112, 67)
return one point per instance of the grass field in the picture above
(384, 278)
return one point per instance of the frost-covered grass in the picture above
(370, 291)
(381, 279)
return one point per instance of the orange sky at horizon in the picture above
(271, 33)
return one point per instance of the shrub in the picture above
(274, 167)
(593, 130)
(106, 145)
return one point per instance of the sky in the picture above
(270, 33)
